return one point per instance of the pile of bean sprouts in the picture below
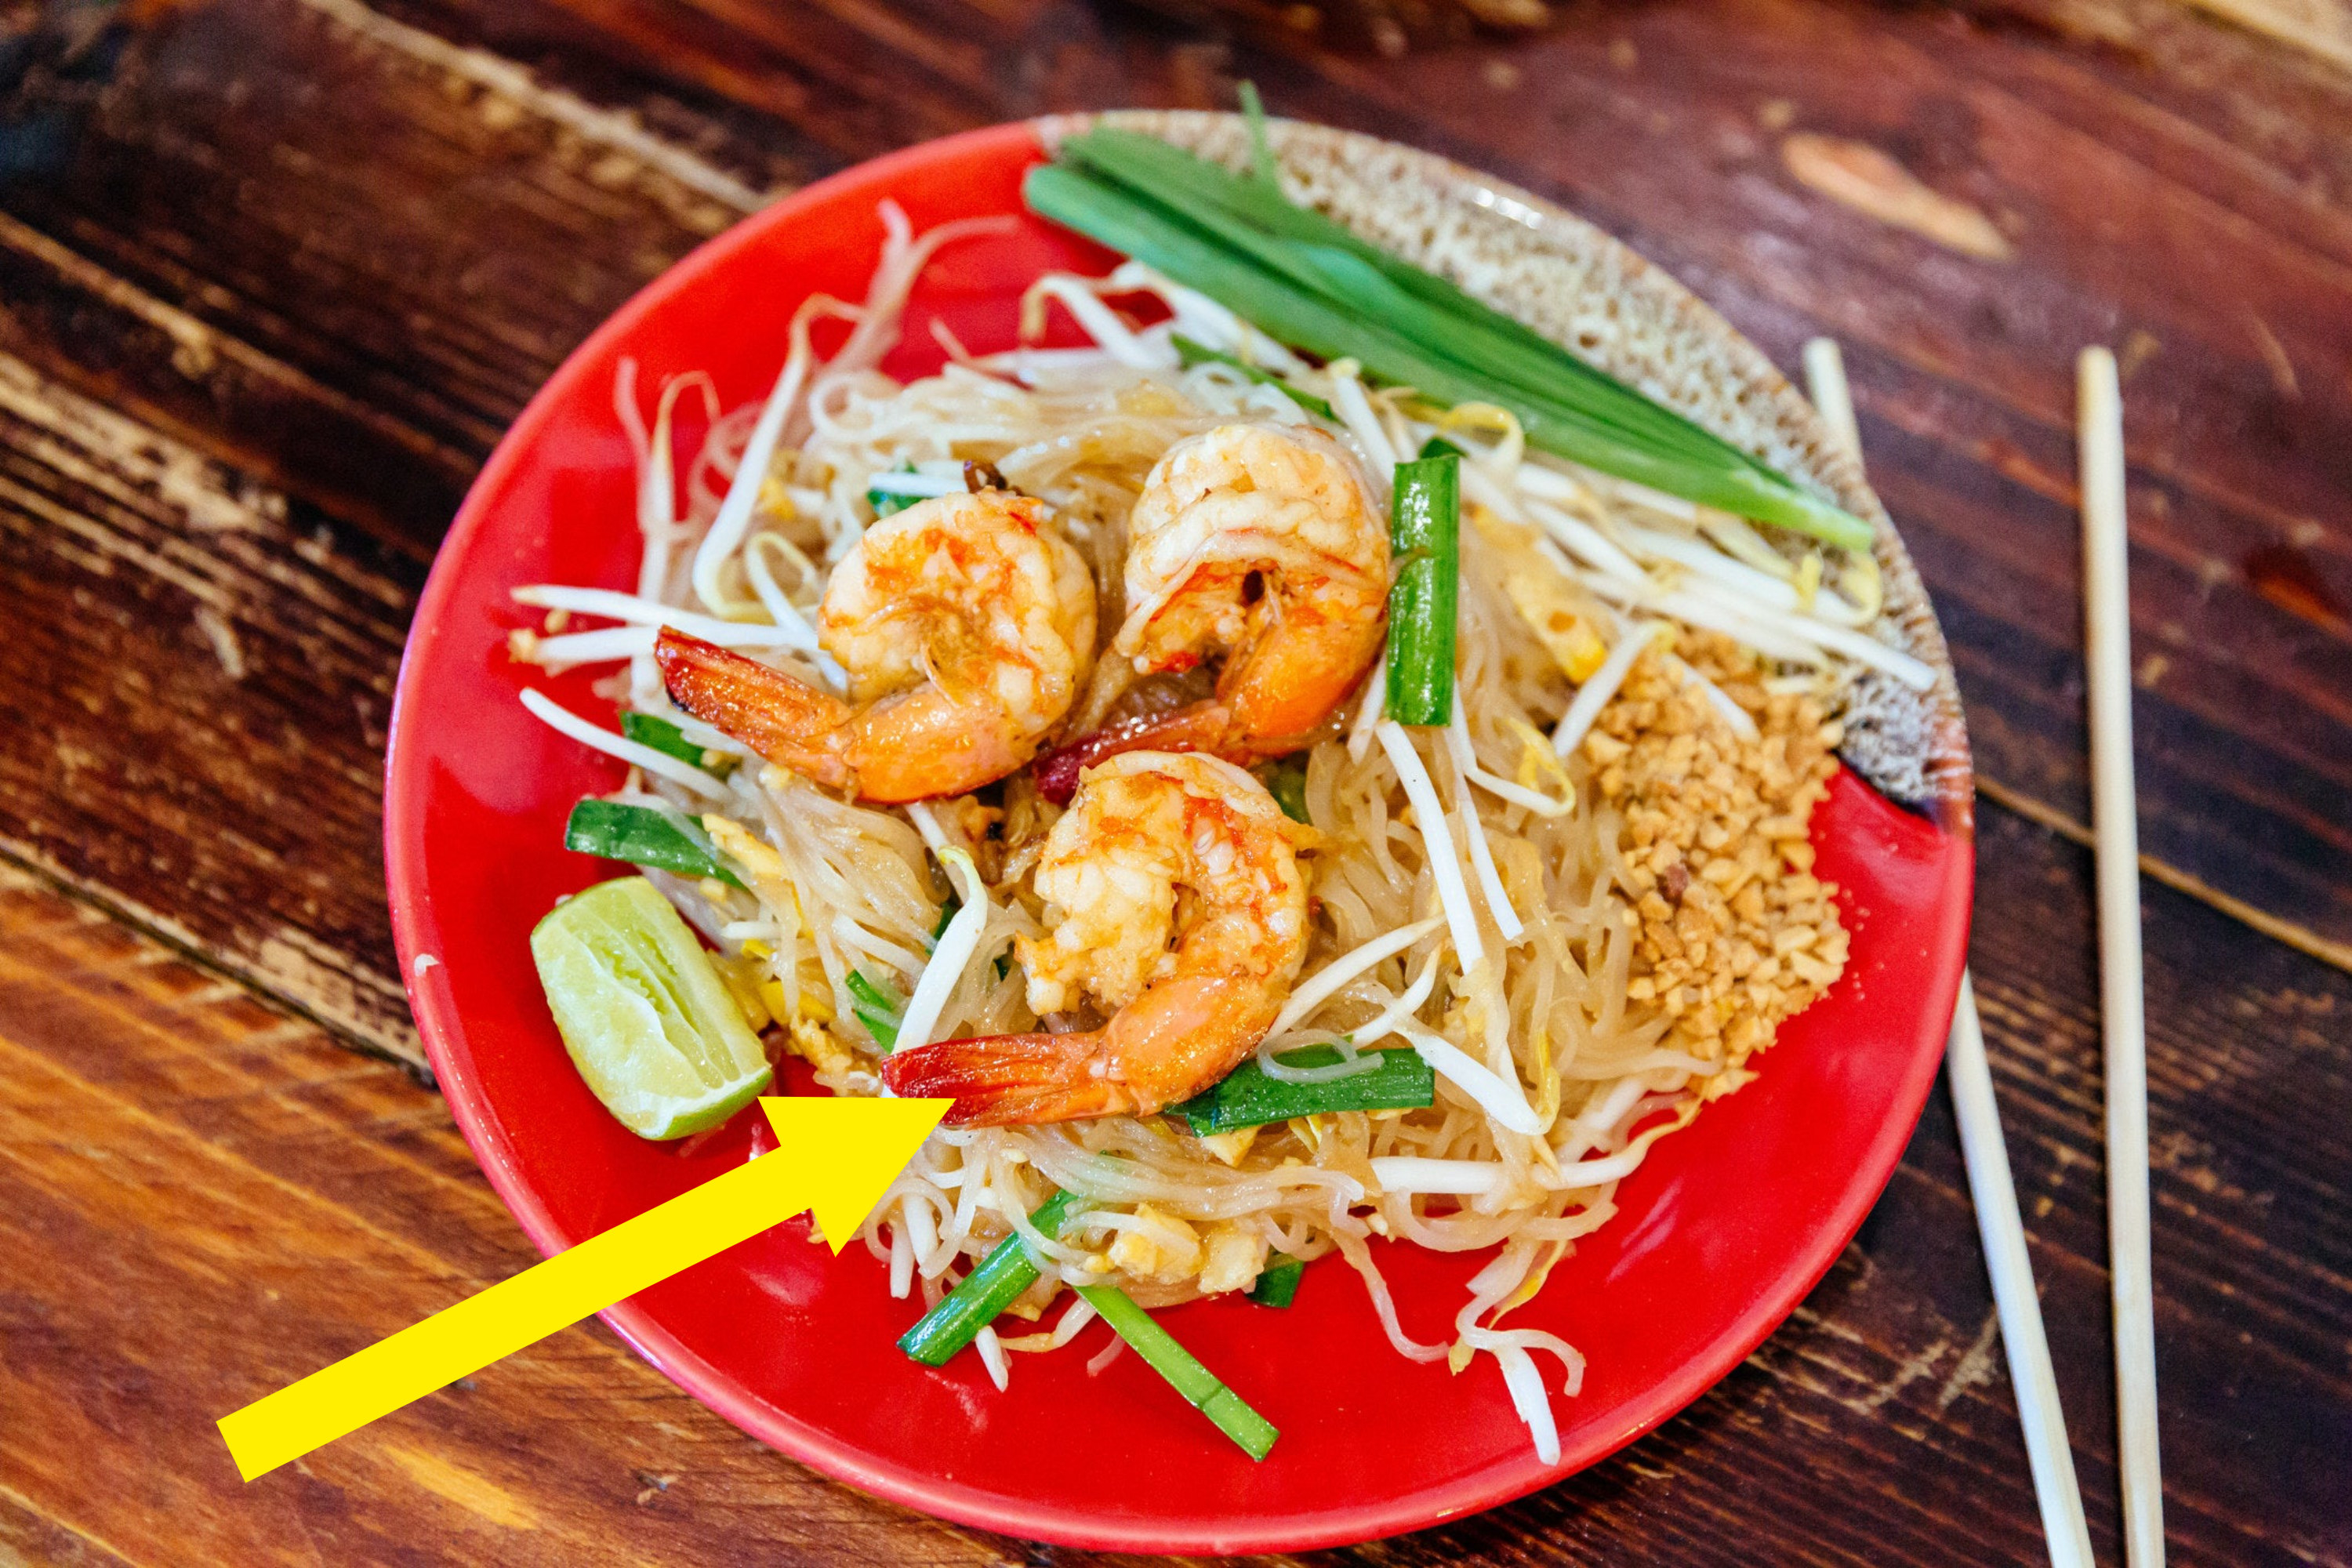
(1467, 894)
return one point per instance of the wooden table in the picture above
(274, 275)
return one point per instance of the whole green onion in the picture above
(1262, 163)
(1425, 533)
(1247, 1098)
(1184, 1372)
(644, 836)
(1312, 284)
(1332, 304)
(1278, 1283)
(987, 1290)
(1322, 256)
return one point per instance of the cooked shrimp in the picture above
(966, 623)
(1263, 544)
(1179, 909)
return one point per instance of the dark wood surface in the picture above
(274, 275)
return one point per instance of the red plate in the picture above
(1723, 1230)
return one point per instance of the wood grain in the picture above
(274, 275)
(232, 431)
(191, 1184)
(2322, 26)
(211, 702)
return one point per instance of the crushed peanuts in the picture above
(1733, 932)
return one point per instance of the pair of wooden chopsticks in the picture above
(2107, 617)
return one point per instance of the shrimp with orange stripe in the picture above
(1180, 908)
(1258, 545)
(966, 623)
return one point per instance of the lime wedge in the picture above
(650, 1024)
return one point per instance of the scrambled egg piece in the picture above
(1158, 1246)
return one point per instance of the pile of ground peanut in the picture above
(1735, 933)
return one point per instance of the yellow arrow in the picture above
(836, 1158)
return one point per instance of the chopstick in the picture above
(1825, 376)
(1998, 1224)
(2106, 598)
(2003, 1232)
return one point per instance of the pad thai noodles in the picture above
(1087, 734)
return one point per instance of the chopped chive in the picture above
(1286, 782)
(902, 487)
(1194, 353)
(1010, 1268)
(1278, 1284)
(947, 912)
(1254, 1433)
(987, 1290)
(1247, 1098)
(870, 993)
(649, 729)
(1425, 531)
(644, 836)
(876, 1007)
(1439, 446)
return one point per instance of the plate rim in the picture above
(415, 928)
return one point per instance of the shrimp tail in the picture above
(788, 721)
(1200, 728)
(1211, 727)
(1177, 1038)
(1000, 1080)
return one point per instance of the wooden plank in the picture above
(402, 238)
(137, 354)
(27, 1537)
(171, 1154)
(198, 720)
(229, 449)
(2324, 27)
(318, 256)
